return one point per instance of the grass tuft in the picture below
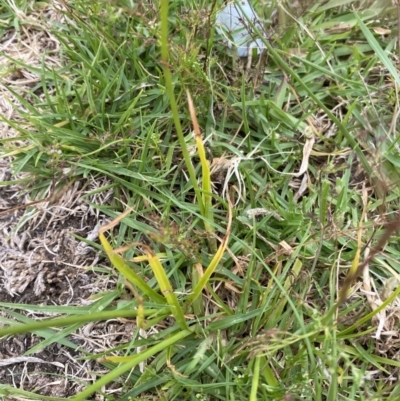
(247, 210)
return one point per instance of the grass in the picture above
(246, 286)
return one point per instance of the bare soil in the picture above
(43, 264)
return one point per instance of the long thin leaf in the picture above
(118, 372)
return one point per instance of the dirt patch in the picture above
(48, 377)
(57, 370)
(42, 263)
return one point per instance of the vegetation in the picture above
(248, 195)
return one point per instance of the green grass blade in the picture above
(117, 372)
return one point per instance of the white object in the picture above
(237, 22)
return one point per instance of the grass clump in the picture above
(248, 195)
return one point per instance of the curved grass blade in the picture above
(165, 285)
(65, 321)
(119, 263)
